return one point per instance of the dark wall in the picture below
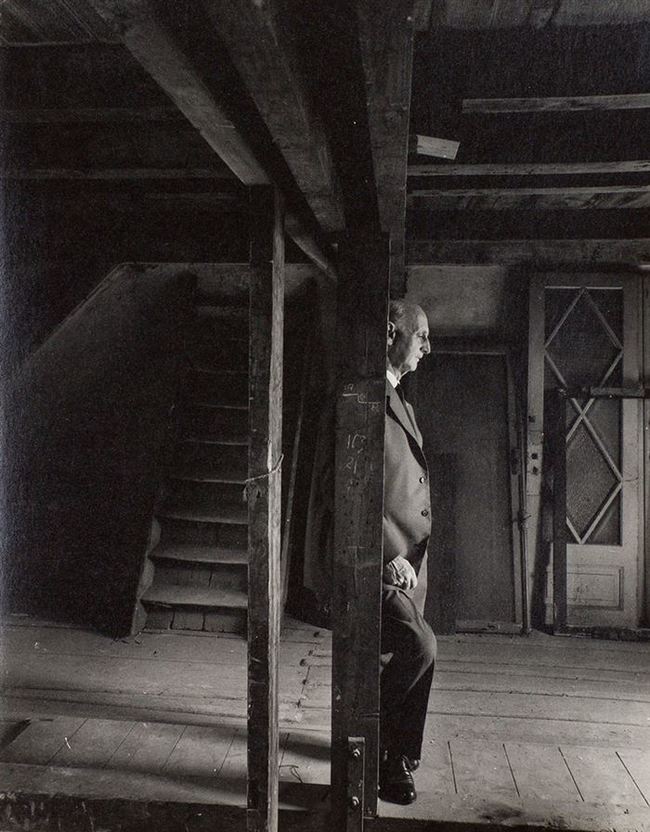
(87, 419)
(86, 394)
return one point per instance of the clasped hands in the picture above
(399, 572)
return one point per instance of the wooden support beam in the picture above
(636, 101)
(264, 523)
(422, 15)
(57, 21)
(309, 246)
(477, 199)
(157, 48)
(386, 39)
(264, 52)
(126, 173)
(356, 588)
(495, 14)
(557, 429)
(386, 32)
(530, 168)
(511, 252)
(84, 115)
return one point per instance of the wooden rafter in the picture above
(386, 32)
(530, 168)
(159, 51)
(162, 53)
(123, 173)
(496, 14)
(603, 196)
(635, 101)
(261, 48)
(87, 115)
(512, 252)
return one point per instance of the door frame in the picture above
(644, 576)
(536, 397)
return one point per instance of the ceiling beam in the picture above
(158, 50)
(537, 252)
(497, 14)
(530, 168)
(170, 62)
(87, 115)
(124, 173)
(263, 51)
(636, 101)
(422, 15)
(386, 33)
(57, 21)
(604, 196)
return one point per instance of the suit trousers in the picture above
(408, 648)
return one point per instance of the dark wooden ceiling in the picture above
(549, 99)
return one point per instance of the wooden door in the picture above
(464, 408)
(591, 339)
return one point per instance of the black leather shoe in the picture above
(413, 763)
(395, 781)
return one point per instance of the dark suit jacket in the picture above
(407, 501)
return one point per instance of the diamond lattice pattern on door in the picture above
(584, 349)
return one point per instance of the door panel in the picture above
(464, 421)
(592, 340)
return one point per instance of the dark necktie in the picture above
(400, 392)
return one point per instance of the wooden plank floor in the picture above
(554, 731)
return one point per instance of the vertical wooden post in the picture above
(361, 407)
(264, 520)
(558, 427)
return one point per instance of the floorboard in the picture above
(481, 769)
(528, 731)
(146, 748)
(93, 744)
(41, 740)
(540, 773)
(601, 776)
(637, 764)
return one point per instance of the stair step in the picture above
(201, 462)
(198, 553)
(189, 596)
(229, 390)
(222, 312)
(198, 473)
(214, 424)
(205, 362)
(211, 334)
(176, 532)
(225, 514)
(204, 495)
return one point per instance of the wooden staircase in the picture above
(200, 562)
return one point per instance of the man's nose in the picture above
(426, 347)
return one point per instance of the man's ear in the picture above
(391, 332)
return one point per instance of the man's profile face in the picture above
(408, 341)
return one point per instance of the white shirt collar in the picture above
(392, 378)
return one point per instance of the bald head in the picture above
(408, 337)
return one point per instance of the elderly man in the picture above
(407, 642)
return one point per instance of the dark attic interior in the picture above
(205, 208)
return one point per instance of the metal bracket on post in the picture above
(356, 796)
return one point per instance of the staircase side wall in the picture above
(89, 417)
